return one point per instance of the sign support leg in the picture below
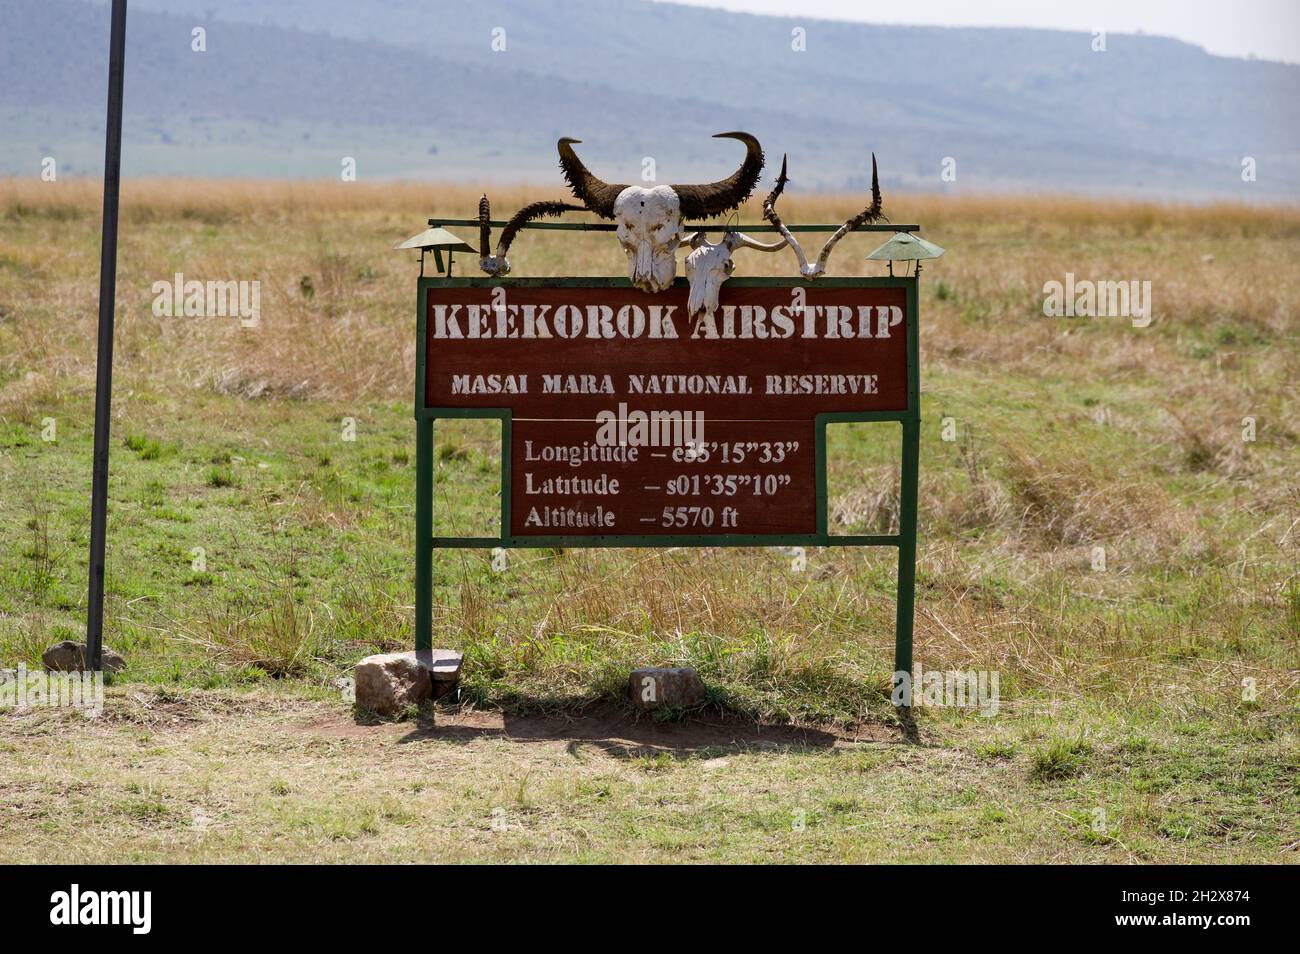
(423, 534)
(907, 559)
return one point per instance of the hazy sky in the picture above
(1268, 29)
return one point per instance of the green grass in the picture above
(1060, 759)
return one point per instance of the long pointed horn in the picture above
(536, 210)
(596, 194)
(500, 265)
(871, 213)
(741, 240)
(769, 213)
(484, 226)
(714, 198)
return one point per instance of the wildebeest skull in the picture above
(650, 220)
(709, 264)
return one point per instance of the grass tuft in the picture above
(1060, 759)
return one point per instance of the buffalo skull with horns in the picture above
(649, 223)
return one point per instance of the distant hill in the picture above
(412, 88)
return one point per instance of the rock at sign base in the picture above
(68, 656)
(655, 688)
(390, 682)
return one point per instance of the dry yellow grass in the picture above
(226, 198)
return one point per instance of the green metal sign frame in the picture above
(909, 419)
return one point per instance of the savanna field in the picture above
(1100, 530)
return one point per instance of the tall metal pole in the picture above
(904, 620)
(104, 366)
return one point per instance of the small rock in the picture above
(389, 682)
(655, 688)
(68, 656)
(444, 666)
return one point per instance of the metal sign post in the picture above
(104, 365)
(758, 475)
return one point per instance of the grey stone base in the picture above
(68, 656)
(390, 682)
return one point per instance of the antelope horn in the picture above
(484, 226)
(741, 240)
(871, 213)
(536, 210)
(596, 194)
(769, 213)
(714, 198)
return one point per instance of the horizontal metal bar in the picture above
(605, 281)
(713, 227)
(669, 540)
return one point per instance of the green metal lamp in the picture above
(905, 247)
(440, 240)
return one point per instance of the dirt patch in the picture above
(163, 708)
(605, 727)
(154, 709)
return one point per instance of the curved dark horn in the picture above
(714, 198)
(769, 204)
(871, 213)
(596, 194)
(484, 227)
(769, 213)
(529, 212)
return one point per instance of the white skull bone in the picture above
(709, 264)
(649, 227)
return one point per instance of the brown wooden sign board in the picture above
(627, 418)
(625, 423)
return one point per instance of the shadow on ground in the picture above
(621, 734)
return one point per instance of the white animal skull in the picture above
(649, 229)
(709, 264)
